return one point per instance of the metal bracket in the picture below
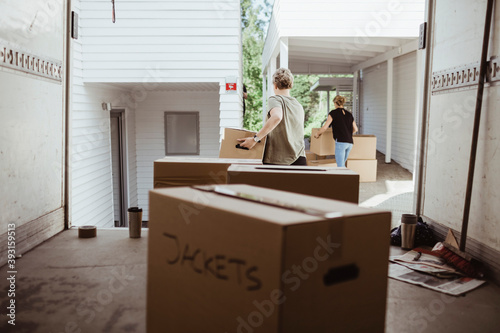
(464, 77)
(15, 58)
(455, 78)
(493, 72)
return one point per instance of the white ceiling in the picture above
(323, 55)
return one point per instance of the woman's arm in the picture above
(354, 127)
(271, 123)
(325, 127)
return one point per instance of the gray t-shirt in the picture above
(285, 143)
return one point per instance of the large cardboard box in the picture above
(367, 169)
(326, 182)
(324, 145)
(229, 141)
(187, 171)
(222, 264)
(364, 147)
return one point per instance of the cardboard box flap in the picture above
(214, 160)
(261, 211)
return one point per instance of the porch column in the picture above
(264, 96)
(390, 71)
(418, 105)
(355, 97)
(284, 52)
(271, 68)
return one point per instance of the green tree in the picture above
(253, 44)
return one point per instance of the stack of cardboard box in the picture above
(362, 158)
(222, 262)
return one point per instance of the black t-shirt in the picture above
(342, 125)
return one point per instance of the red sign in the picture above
(230, 86)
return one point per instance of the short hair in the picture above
(339, 100)
(283, 78)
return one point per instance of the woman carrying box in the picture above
(343, 127)
(284, 127)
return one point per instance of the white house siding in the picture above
(150, 131)
(166, 41)
(403, 117)
(374, 107)
(137, 62)
(91, 181)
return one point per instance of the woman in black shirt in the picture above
(343, 126)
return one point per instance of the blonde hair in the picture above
(283, 78)
(339, 100)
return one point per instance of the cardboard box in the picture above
(367, 169)
(326, 182)
(324, 145)
(310, 156)
(223, 264)
(229, 141)
(330, 162)
(364, 147)
(187, 171)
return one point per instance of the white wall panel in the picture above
(373, 108)
(403, 116)
(188, 41)
(150, 132)
(450, 124)
(92, 199)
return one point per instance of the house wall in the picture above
(91, 178)
(450, 124)
(178, 41)
(361, 19)
(150, 132)
(374, 108)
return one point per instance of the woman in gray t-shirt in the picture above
(284, 127)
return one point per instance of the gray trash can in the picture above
(134, 222)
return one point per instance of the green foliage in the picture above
(253, 38)
(253, 44)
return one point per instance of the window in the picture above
(182, 133)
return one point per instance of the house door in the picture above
(118, 170)
(33, 86)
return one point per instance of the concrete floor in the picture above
(69, 284)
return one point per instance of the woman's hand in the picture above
(247, 142)
(317, 135)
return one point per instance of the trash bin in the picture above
(134, 222)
